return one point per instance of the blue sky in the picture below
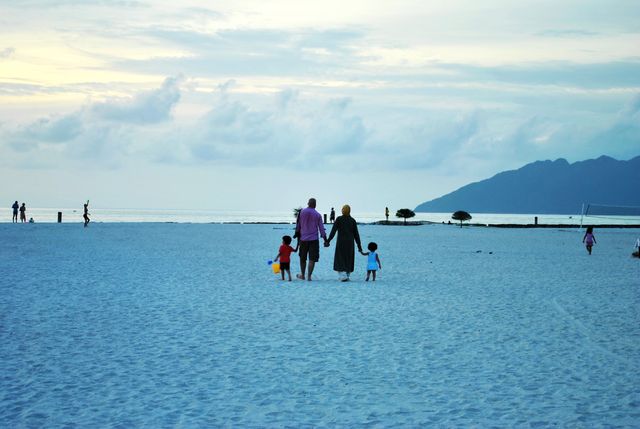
(216, 105)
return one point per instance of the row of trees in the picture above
(459, 215)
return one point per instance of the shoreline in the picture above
(375, 223)
(504, 225)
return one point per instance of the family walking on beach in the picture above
(309, 230)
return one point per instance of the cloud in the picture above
(53, 130)
(622, 138)
(293, 132)
(146, 108)
(290, 131)
(296, 130)
(250, 52)
(566, 33)
(559, 73)
(63, 3)
(7, 53)
(104, 131)
(426, 141)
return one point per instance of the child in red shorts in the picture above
(284, 254)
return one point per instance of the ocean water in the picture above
(123, 325)
(69, 215)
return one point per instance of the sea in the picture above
(49, 215)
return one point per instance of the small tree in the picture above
(296, 212)
(405, 213)
(461, 215)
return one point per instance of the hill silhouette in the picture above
(547, 187)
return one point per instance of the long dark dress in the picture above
(347, 230)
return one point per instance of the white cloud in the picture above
(146, 108)
(7, 53)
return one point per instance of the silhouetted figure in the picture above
(386, 213)
(347, 230)
(23, 213)
(332, 216)
(85, 216)
(589, 239)
(15, 208)
(373, 261)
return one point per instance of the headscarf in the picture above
(346, 210)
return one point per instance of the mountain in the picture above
(547, 187)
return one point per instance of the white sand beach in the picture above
(171, 325)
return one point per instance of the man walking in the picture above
(307, 229)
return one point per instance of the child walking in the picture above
(284, 254)
(373, 261)
(589, 239)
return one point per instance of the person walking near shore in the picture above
(308, 227)
(23, 213)
(347, 230)
(15, 208)
(589, 239)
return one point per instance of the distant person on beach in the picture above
(386, 213)
(85, 216)
(15, 208)
(589, 239)
(284, 255)
(23, 213)
(347, 229)
(308, 229)
(373, 260)
(332, 216)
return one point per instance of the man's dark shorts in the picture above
(312, 248)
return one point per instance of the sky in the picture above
(259, 105)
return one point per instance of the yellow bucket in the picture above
(275, 267)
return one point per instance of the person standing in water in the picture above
(23, 213)
(589, 239)
(332, 216)
(85, 216)
(15, 208)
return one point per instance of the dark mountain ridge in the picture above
(547, 187)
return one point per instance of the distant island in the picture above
(547, 187)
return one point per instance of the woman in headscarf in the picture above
(347, 229)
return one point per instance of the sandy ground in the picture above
(169, 325)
